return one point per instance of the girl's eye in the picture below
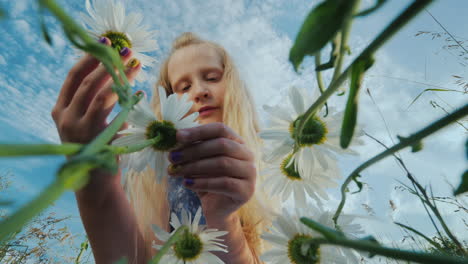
(186, 88)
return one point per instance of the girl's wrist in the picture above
(223, 223)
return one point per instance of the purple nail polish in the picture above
(102, 40)
(124, 51)
(188, 182)
(176, 156)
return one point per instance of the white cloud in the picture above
(250, 32)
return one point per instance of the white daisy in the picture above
(144, 125)
(288, 234)
(284, 181)
(195, 246)
(319, 143)
(107, 18)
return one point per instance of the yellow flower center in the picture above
(119, 40)
(314, 132)
(188, 247)
(295, 255)
(290, 171)
(166, 132)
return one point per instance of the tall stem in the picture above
(411, 140)
(410, 12)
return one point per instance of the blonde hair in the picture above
(149, 198)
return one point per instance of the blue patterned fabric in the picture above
(180, 197)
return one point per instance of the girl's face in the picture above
(198, 71)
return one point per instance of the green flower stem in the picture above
(109, 57)
(373, 248)
(405, 142)
(344, 40)
(22, 216)
(333, 237)
(414, 9)
(75, 172)
(108, 133)
(327, 232)
(13, 150)
(318, 76)
(134, 148)
(168, 244)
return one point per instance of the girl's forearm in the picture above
(110, 223)
(238, 249)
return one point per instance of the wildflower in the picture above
(195, 245)
(284, 180)
(145, 125)
(289, 239)
(107, 18)
(318, 143)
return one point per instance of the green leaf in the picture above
(45, 32)
(378, 4)
(320, 26)
(358, 183)
(463, 185)
(350, 116)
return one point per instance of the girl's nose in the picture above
(202, 94)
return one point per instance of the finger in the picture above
(228, 186)
(76, 75)
(205, 132)
(103, 103)
(210, 148)
(92, 84)
(212, 167)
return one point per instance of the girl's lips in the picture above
(207, 112)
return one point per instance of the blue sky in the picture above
(258, 35)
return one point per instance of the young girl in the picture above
(219, 159)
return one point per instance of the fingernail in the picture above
(174, 168)
(102, 40)
(183, 134)
(133, 63)
(188, 182)
(141, 91)
(124, 51)
(176, 156)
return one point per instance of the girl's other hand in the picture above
(86, 98)
(220, 166)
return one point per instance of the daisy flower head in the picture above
(144, 125)
(288, 236)
(285, 181)
(319, 142)
(195, 245)
(108, 18)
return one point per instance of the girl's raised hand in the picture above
(220, 166)
(86, 99)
